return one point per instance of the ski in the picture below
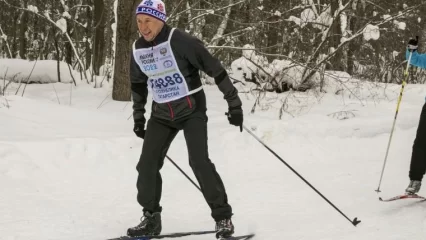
(404, 196)
(242, 237)
(169, 235)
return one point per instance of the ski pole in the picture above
(354, 222)
(183, 173)
(396, 114)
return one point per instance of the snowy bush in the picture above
(279, 75)
(248, 64)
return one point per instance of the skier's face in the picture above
(148, 26)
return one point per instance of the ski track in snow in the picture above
(69, 172)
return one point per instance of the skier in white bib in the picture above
(166, 62)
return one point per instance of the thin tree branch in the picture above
(376, 5)
(4, 37)
(213, 10)
(172, 14)
(247, 29)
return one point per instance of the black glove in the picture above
(235, 117)
(413, 44)
(139, 130)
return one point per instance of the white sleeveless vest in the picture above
(165, 80)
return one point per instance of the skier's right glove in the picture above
(139, 130)
(412, 45)
(235, 117)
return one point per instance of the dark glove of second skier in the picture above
(139, 130)
(235, 117)
(412, 45)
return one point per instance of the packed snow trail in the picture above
(67, 171)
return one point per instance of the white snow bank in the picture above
(68, 172)
(45, 71)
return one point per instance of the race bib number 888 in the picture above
(166, 82)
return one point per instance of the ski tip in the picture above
(241, 237)
(355, 221)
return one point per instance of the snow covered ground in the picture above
(67, 170)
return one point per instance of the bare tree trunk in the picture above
(23, 23)
(14, 42)
(183, 18)
(223, 25)
(71, 33)
(125, 28)
(191, 25)
(422, 31)
(35, 52)
(58, 57)
(110, 19)
(68, 45)
(336, 34)
(99, 42)
(353, 46)
(89, 36)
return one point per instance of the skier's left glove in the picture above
(235, 117)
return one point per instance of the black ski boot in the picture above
(150, 225)
(224, 228)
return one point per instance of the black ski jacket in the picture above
(191, 56)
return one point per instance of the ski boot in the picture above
(224, 228)
(150, 225)
(413, 187)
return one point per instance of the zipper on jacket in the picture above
(172, 115)
(189, 102)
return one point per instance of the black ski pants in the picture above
(418, 157)
(158, 137)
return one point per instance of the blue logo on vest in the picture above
(167, 64)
